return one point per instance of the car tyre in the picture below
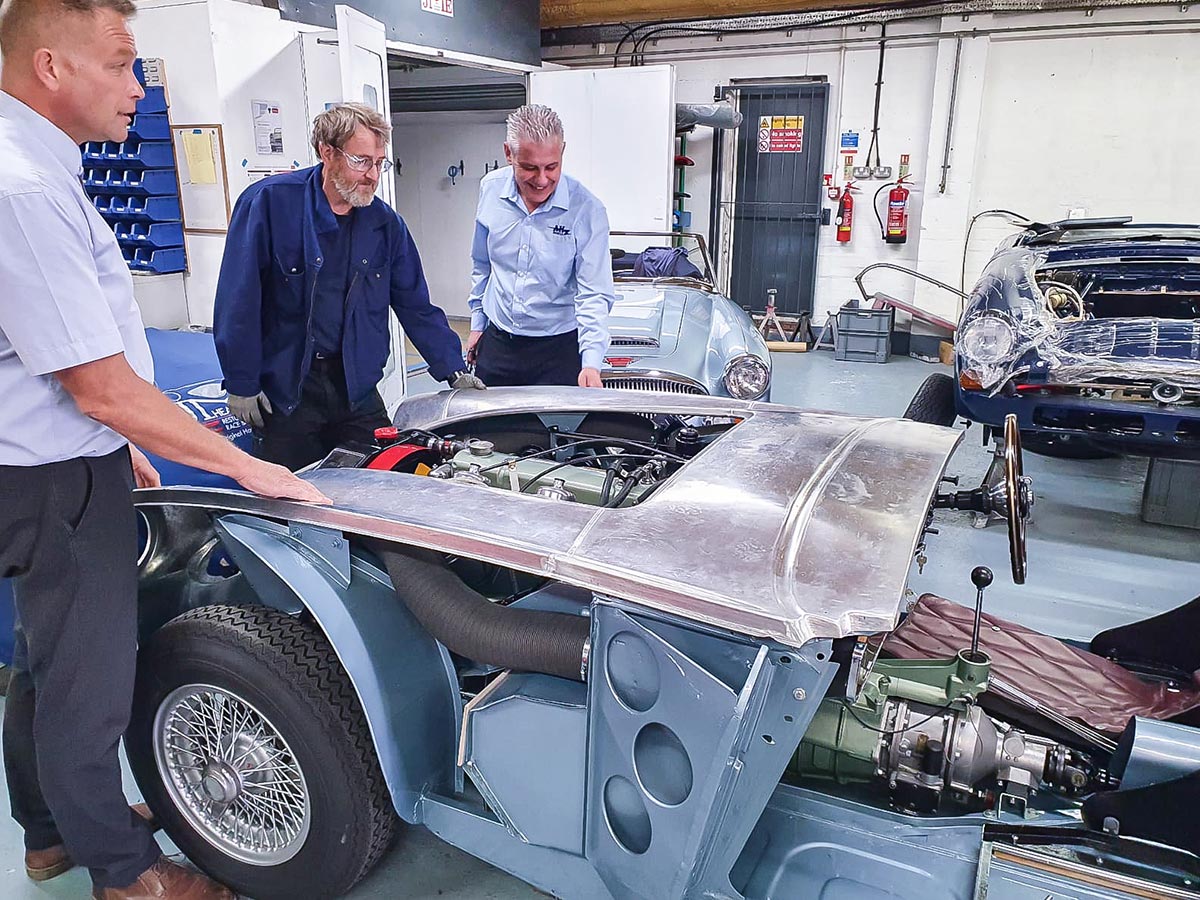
(250, 744)
(933, 403)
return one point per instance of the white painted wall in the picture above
(619, 126)
(851, 70)
(1047, 119)
(220, 55)
(441, 215)
(1105, 124)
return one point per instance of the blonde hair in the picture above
(22, 21)
(535, 124)
(337, 124)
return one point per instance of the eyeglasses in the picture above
(365, 163)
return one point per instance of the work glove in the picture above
(465, 380)
(250, 409)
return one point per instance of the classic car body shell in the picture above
(714, 607)
(1090, 380)
(677, 334)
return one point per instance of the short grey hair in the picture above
(337, 124)
(534, 124)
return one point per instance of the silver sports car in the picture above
(672, 330)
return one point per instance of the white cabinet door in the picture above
(620, 130)
(362, 56)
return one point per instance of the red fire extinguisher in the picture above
(896, 231)
(845, 216)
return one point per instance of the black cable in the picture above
(629, 32)
(854, 715)
(878, 97)
(630, 483)
(649, 451)
(640, 43)
(562, 465)
(623, 493)
(626, 441)
(962, 276)
(606, 491)
(875, 204)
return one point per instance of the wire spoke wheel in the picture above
(231, 774)
(249, 742)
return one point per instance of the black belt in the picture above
(530, 338)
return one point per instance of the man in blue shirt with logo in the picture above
(313, 264)
(76, 386)
(542, 284)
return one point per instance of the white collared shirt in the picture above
(66, 295)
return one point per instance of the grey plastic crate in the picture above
(874, 321)
(856, 346)
(1172, 493)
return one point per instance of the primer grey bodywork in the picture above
(658, 777)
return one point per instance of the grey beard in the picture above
(350, 193)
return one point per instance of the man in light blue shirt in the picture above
(75, 387)
(542, 284)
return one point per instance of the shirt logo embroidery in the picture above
(561, 230)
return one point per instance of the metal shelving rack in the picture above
(134, 184)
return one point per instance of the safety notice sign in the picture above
(781, 134)
(441, 7)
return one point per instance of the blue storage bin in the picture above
(158, 209)
(159, 235)
(155, 100)
(160, 262)
(143, 182)
(131, 154)
(134, 185)
(150, 127)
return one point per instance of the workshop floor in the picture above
(1092, 564)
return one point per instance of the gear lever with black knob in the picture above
(981, 577)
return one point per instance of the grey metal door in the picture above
(767, 193)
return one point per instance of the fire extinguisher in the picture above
(896, 229)
(845, 216)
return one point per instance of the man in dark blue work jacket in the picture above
(313, 263)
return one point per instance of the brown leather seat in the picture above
(1072, 682)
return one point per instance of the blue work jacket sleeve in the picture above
(423, 323)
(237, 307)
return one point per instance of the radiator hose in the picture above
(470, 625)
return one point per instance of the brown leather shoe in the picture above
(166, 880)
(144, 811)
(42, 865)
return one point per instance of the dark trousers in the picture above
(323, 420)
(68, 537)
(504, 360)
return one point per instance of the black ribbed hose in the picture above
(475, 627)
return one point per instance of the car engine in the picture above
(552, 462)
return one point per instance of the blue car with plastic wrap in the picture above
(1089, 332)
(187, 370)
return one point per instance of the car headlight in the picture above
(988, 339)
(747, 377)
